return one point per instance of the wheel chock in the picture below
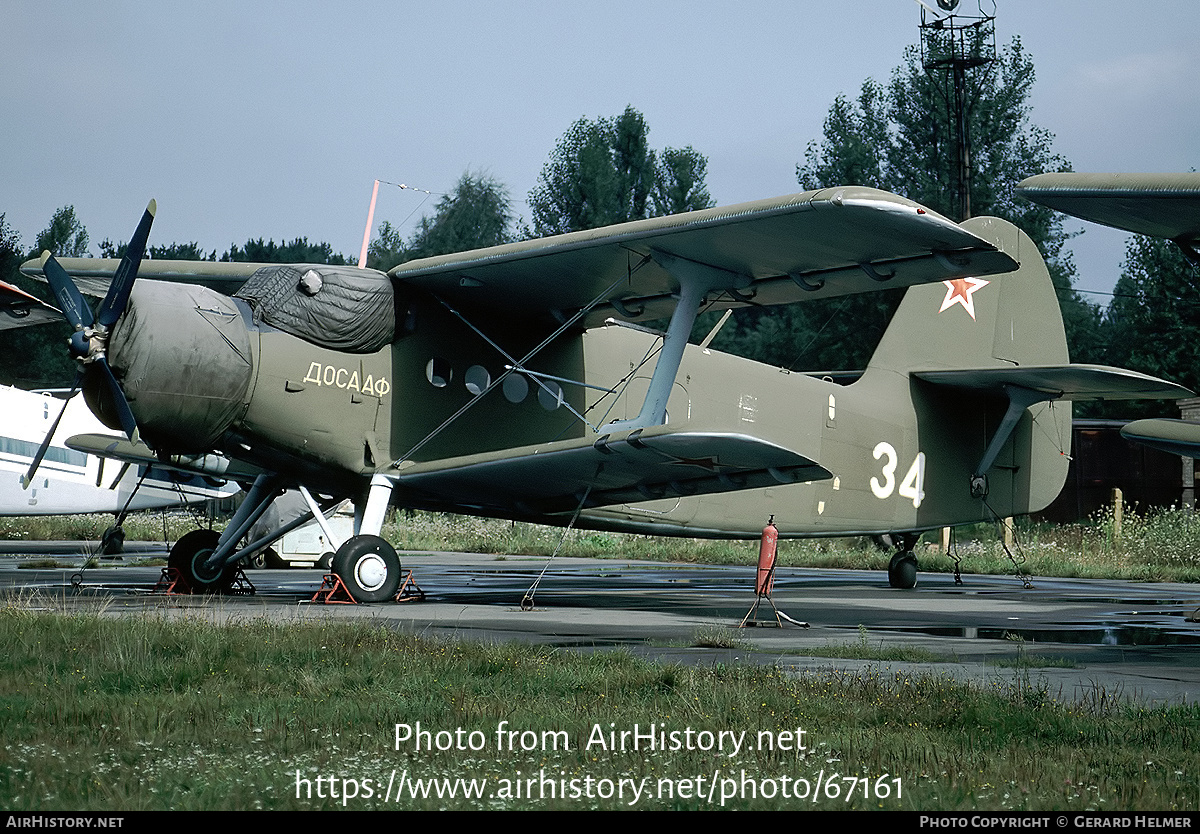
(410, 591)
(171, 583)
(333, 592)
(241, 586)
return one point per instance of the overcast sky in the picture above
(274, 119)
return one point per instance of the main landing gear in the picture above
(188, 559)
(207, 561)
(369, 568)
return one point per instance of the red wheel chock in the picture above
(172, 583)
(334, 592)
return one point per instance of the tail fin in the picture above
(1006, 320)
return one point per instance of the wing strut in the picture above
(696, 280)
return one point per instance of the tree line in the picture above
(896, 136)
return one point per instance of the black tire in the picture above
(325, 563)
(273, 560)
(257, 561)
(902, 570)
(189, 554)
(369, 568)
(112, 542)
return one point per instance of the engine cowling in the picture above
(183, 356)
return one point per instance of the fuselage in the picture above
(901, 451)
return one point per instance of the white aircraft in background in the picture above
(69, 482)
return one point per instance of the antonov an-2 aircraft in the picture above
(527, 381)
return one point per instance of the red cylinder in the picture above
(766, 560)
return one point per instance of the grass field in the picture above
(125, 714)
(122, 714)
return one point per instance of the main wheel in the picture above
(902, 570)
(369, 568)
(188, 556)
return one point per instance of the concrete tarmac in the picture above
(1080, 639)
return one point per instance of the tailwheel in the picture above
(902, 570)
(369, 568)
(187, 558)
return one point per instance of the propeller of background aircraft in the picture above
(89, 342)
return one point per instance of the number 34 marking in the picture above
(913, 485)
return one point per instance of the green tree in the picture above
(65, 237)
(166, 252)
(298, 251)
(898, 137)
(679, 181)
(604, 172)
(387, 249)
(476, 214)
(1152, 321)
(36, 357)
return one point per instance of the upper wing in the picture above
(812, 245)
(1160, 205)
(817, 244)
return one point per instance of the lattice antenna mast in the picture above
(951, 45)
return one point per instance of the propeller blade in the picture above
(124, 414)
(75, 310)
(118, 291)
(27, 478)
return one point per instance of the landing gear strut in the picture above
(902, 570)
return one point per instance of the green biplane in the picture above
(528, 381)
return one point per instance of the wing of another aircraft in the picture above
(816, 244)
(1175, 436)
(1160, 205)
(20, 309)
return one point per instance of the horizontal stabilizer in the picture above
(638, 466)
(1067, 382)
(1175, 436)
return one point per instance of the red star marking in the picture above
(959, 291)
